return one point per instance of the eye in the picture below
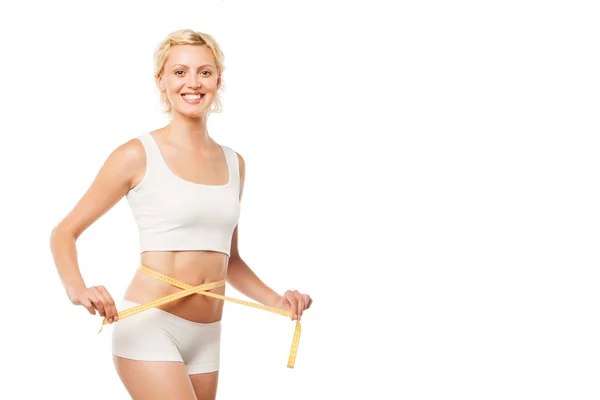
(208, 72)
(178, 72)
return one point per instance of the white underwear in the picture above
(157, 335)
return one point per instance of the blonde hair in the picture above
(182, 37)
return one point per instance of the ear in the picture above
(160, 82)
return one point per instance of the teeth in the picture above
(192, 96)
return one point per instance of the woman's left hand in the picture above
(296, 302)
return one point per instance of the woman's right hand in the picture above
(96, 298)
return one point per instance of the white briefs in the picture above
(157, 335)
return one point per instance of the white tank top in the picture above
(174, 214)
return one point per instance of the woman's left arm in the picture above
(245, 281)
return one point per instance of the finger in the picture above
(300, 300)
(108, 304)
(86, 303)
(293, 303)
(115, 312)
(106, 300)
(300, 308)
(97, 301)
(307, 301)
(111, 309)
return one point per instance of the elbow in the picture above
(56, 231)
(52, 240)
(53, 234)
(234, 259)
(59, 232)
(233, 267)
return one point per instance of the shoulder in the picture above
(241, 162)
(240, 159)
(242, 165)
(130, 153)
(127, 162)
(241, 168)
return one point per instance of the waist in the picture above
(192, 268)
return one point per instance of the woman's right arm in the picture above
(121, 171)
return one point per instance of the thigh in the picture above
(205, 385)
(149, 380)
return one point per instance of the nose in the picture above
(193, 82)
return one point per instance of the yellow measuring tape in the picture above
(202, 289)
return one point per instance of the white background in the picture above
(427, 171)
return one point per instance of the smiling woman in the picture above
(185, 191)
(175, 66)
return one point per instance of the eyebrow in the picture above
(185, 66)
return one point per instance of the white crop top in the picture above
(175, 214)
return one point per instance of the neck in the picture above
(191, 132)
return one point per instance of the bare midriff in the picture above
(191, 267)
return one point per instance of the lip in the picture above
(195, 101)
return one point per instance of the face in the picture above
(190, 79)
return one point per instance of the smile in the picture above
(193, 98)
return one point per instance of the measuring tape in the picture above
(202, 289)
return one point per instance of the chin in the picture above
(192, 111)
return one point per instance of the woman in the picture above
(184, 190)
